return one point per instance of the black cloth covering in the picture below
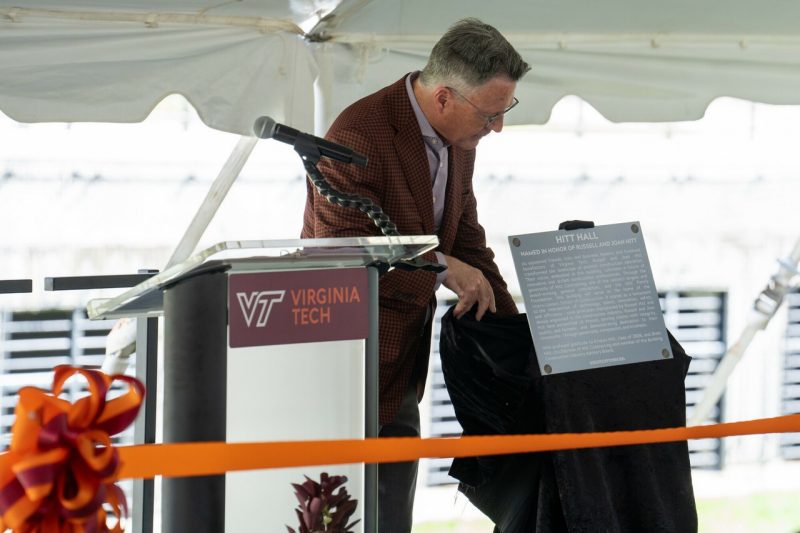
(496, 387)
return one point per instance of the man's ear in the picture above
(442, 98)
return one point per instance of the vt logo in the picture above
(258, 303)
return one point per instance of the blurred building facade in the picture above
(717, 201)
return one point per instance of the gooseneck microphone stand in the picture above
(310, 155)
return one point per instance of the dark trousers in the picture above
(397, 482)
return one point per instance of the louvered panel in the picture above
(705, 365)
(697, 320)
(448, 428)
(30, 345)
(791, 453)
(443, 411)
(96, 344)
(714, 413)
(33, 343)
(692, 334)
(707, 349)
(790, 438)
(792, 344)
(443, 421)
(439, 394)
(25, 347)
(33, 376)
(696, 303)
(790, 393)
(15, 366)
(438, 471)
(37, 326)
(708, 460)
(697, 380)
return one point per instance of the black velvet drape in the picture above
(494, 382)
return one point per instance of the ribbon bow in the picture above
(61, 466)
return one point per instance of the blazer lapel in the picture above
(453, 206)
(411, 152)
(410, 148)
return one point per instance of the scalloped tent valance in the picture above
(302, 61)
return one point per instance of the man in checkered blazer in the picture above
(420, 135)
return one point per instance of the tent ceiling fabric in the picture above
(632, 61)
(115, 66)
(72, 60)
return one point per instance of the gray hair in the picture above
(472, 52)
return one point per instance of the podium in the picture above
(267, 341)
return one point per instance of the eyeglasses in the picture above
(489, 118)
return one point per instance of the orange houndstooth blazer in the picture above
(383, 127)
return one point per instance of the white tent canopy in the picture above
(95, 60)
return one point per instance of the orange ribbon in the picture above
(209, 458)
(66, 447)
(61, 466)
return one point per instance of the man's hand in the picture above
(470, 286)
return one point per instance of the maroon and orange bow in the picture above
(61, 467)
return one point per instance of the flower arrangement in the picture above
(322, 511)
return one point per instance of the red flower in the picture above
(322, 511)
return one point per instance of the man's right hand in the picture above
(471, 287)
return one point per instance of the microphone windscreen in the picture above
(264, 127)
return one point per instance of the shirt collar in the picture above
(428, 133)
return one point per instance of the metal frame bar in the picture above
(144, 429)
(371, 397)
(73, 283)
(10, 286)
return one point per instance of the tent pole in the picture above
(216, 194)
(323, 89)
(118, 358)
(764, 308)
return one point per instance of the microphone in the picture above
(266, 128)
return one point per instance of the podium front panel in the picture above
(287, 392)
(283, 386)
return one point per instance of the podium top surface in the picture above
(147, 298)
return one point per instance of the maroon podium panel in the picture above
(290, 307)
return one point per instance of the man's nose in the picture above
(497, 125)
